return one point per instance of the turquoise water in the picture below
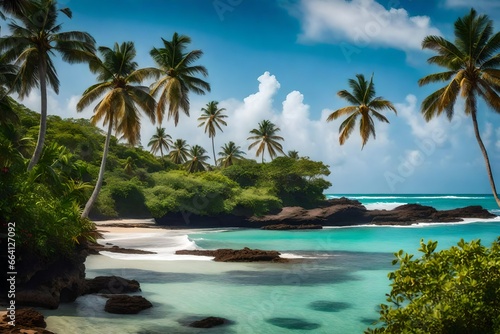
(335, 287)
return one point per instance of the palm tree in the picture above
(129, 166)
(197, 159)
(118, 79)
(31, 45)
(212, 117)
(364, 104)
(265, 136)
(179, 152)
(229, 154)
(179, 76)
(160, 141)
(293, 154)
(471, 65)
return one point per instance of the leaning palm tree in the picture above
(229, 154)
(472, 70)
(178, 77)
(364, 104)
(212, 117)
(197, 159)
(32, 44)
(265, 136)
(160, 141)
(118, 80)
(179, 152)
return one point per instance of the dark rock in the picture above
(473, 211)
(292, 227)
(123, 304)
(46, 283)
(238, 255)
(293, 323)
(28, 320)
(111, 285)
(208, 322)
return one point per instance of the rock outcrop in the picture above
(282, 227)
(236, 255)
(124, 304)
(28, 320)
(335, 212)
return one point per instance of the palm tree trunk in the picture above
(486, 159)
(98, 184)
(213, 149)
(43, 114)
(161, 152)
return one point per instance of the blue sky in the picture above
(285, 60)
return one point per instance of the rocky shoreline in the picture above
(334, 212)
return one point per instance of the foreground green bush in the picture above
(453, 291)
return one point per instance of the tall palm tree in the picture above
(197, 159)
(118, 80)
(179, 152)
(472, 70)
(229, 154)
(212, 117)
(364, 104)
(160, 141)
(32, 44)
(178, 76)
(265, 136)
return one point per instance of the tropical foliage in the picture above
(472, 71)
(364, 105)
(212, 117)
(178, 77)
(455, 290)
(265, 138)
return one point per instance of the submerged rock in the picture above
(123, 304)
(111, 285)
(236, 255)
(208, 322)
(293, 323)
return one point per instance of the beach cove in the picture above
(335, 288)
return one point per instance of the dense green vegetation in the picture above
(453, 291)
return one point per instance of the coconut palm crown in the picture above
(179, 152)
(197, 159)
(229, 154)
(364, 105)
(160, 141)
(471, 70)
(178, 77)
(265, 137)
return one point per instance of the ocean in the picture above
(335, 286)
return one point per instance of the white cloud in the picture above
(362, 23)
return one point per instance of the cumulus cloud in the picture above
(363, 23)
